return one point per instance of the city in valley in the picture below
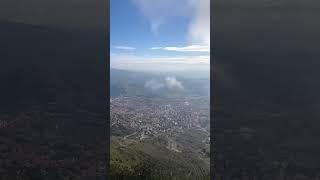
(159, 132)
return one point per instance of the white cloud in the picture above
(124, 47)
(154, 84)
(168, 82)
(173, 83)
(191, 48)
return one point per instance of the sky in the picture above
(166, 35)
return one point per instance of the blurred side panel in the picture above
(53, 89)
(266, 89)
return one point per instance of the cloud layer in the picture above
(124, 59)
(191, 48)
(124, 47)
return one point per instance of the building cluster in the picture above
(156, 116)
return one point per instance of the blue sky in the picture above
(146, 34)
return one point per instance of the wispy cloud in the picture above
(159, 12)
(124, 47)
(191, 48)
(199, 28)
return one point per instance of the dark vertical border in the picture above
(107, 76)
(212, 96)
